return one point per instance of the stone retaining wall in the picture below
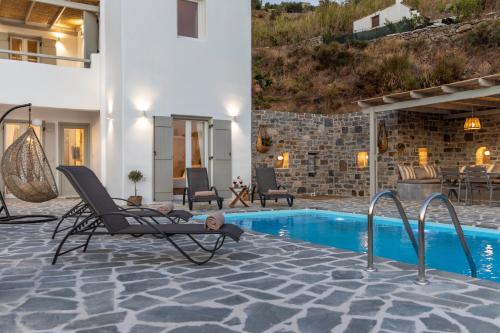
(336, 140)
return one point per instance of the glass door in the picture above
(24, 45)
(12, 131)
(189, 150)
(74, 146)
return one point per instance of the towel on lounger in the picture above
(166, 208)
(277, 192)
(215, 221)
(204, 193)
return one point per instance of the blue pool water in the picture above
(348, 231)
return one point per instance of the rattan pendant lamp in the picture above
(26, 173)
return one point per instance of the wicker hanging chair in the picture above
(25, 170)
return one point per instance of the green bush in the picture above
(332, 56)
(398, 73)
(486, 35)
(448, 68)
(135, 176)
(465, 9)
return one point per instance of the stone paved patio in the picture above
(262, 284)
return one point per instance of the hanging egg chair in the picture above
(26, 173)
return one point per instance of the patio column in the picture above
(373, 154)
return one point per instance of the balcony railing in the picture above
(45, 56)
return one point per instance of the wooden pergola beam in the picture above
(56, 17)
(477, 113)
(72, 5)
(29, 11)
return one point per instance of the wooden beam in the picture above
(72, 5)
(449, 89)
(36, 26)
(477, 113)
(29, 11)
(429, 101)
(56, 17)
(389, 100)
(486, 83)
(479, 102)
(416, 95)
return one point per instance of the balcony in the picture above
(49, 53)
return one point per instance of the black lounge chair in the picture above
(198, 188)
(105, 214)
(266, 182)
(81, 210)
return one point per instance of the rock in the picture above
(262, 316)
(360, 325)
(398, 325)
(319, 320)
(47, 304)
(46, 320)
(474, 324)
(207, 328)
(99, 320)
(406, 308)
(346, 275)
(367, 307)
(463, 28)
(440, 324)
(139, 302)
(183, 314)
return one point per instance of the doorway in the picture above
(74, 147)
(190, 150)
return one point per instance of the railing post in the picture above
(369, 266)
(421, 279)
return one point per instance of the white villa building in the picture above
(392, 14)
(122, 85)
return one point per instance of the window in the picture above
(362, 159)
(375, 21)
(422, 156)
(24, 45)
(188, 18)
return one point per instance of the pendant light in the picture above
(472, 123)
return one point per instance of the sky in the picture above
(314, 2)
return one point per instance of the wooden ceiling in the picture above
(52, 15)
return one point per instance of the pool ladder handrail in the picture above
(371, 213)
(421, 278)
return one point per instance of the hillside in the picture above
(299, 76)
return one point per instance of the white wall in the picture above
(50, 86)
(66, 46)
(393, 14)
(167, 75)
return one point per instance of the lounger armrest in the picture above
(130, 203)
(213, 188)
(137, 218)
(150, 210)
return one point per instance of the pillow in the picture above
(431, 170)
(490, 167)
(421, 173)
(462, 169)
(406, 172)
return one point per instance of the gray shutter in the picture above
(163, 166)
(220, 156)
(91, 35)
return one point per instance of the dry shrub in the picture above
(449, 67)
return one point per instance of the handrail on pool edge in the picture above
(371, 212)
(421, 278)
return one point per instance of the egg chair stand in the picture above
(27, 175)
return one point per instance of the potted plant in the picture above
(135, 176)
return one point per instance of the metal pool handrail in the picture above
(421, 279)
(371, 212)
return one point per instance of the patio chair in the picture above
(452, 183)
(478, 179)
(115, 221)
(198, 188)
(81, 210)
(268, 189)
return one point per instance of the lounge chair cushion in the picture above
(406, 172)
(421, 173)
(277, 192)
(183, 229)
(204, 194)
(431, 170)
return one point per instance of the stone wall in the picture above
(441, 32)
(336, 139)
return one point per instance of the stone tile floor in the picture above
(262, 284)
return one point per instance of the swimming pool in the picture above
(348, 231)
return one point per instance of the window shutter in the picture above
(91, 35)
(163, 166)
(220, 156)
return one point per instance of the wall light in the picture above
(37, 122)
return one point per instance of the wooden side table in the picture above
(239, 193)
